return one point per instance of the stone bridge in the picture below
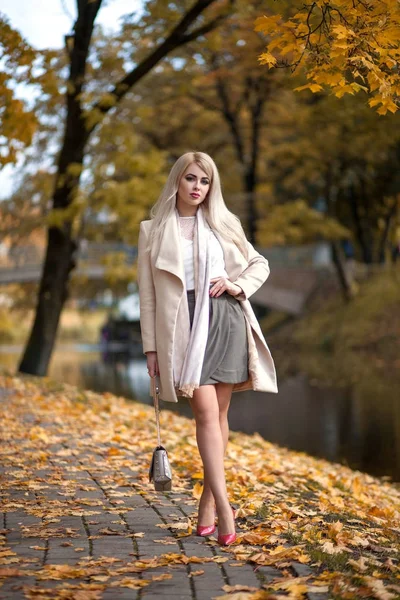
(288, 287)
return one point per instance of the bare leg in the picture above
(210, 442)
(224, 394)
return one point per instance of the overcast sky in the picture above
(45, 22)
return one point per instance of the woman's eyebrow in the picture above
(202, 177)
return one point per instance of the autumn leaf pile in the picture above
(343, 524)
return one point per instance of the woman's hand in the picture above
(152, 364)
(221, 284)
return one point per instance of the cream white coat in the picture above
(164, 316)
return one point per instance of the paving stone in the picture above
(269, 573)
(17, 518)
(197, 548)
(15, 538)
(13, 589)
(95, 494)
(243, 575)
(120, 593)
(206, 595)
(300, 569)
(208, 584)
(112, 546)
(62, 559)
(170, 586)
(175, 596)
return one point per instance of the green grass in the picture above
(353, 323)
(334, 562)
(262, 512)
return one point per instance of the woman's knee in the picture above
(223, 414)
(224, 394)
(206, 418)
(205, 407)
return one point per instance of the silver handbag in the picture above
(160, 469)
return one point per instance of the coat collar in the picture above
(170, 254)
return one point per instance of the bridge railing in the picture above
(92, 253)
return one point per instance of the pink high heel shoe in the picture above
(225, 539)
(205, 530)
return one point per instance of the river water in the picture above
(355, 426)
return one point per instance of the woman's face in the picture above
(192, 190)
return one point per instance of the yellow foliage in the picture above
(268, 59)
(297, 223)
(17, 123)
(345, 40)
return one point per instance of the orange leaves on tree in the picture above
(17, 122)
(345, 46)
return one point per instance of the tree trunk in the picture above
(53, 293)
(361, 234)
(344, 279)
(260, 90)
(337, 252)
(250, 184)
(385, 234)
(256, 95)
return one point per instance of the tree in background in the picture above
(345, 46)
(229, 84)
(214, 95)
(83, 116)
(220, 91)
(345, 157)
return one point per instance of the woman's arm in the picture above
(254, 275)
(147, 294)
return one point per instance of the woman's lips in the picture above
(195, 195)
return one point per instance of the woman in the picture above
(196, 271)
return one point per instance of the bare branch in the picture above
(176, 38)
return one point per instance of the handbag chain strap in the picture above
(155, 393)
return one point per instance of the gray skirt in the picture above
(226, 354)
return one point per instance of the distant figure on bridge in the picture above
(196, 271)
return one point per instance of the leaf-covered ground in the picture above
(82, 522)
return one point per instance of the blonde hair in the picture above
(220, 219)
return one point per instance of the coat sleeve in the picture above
(147, 296)
(254, 275)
